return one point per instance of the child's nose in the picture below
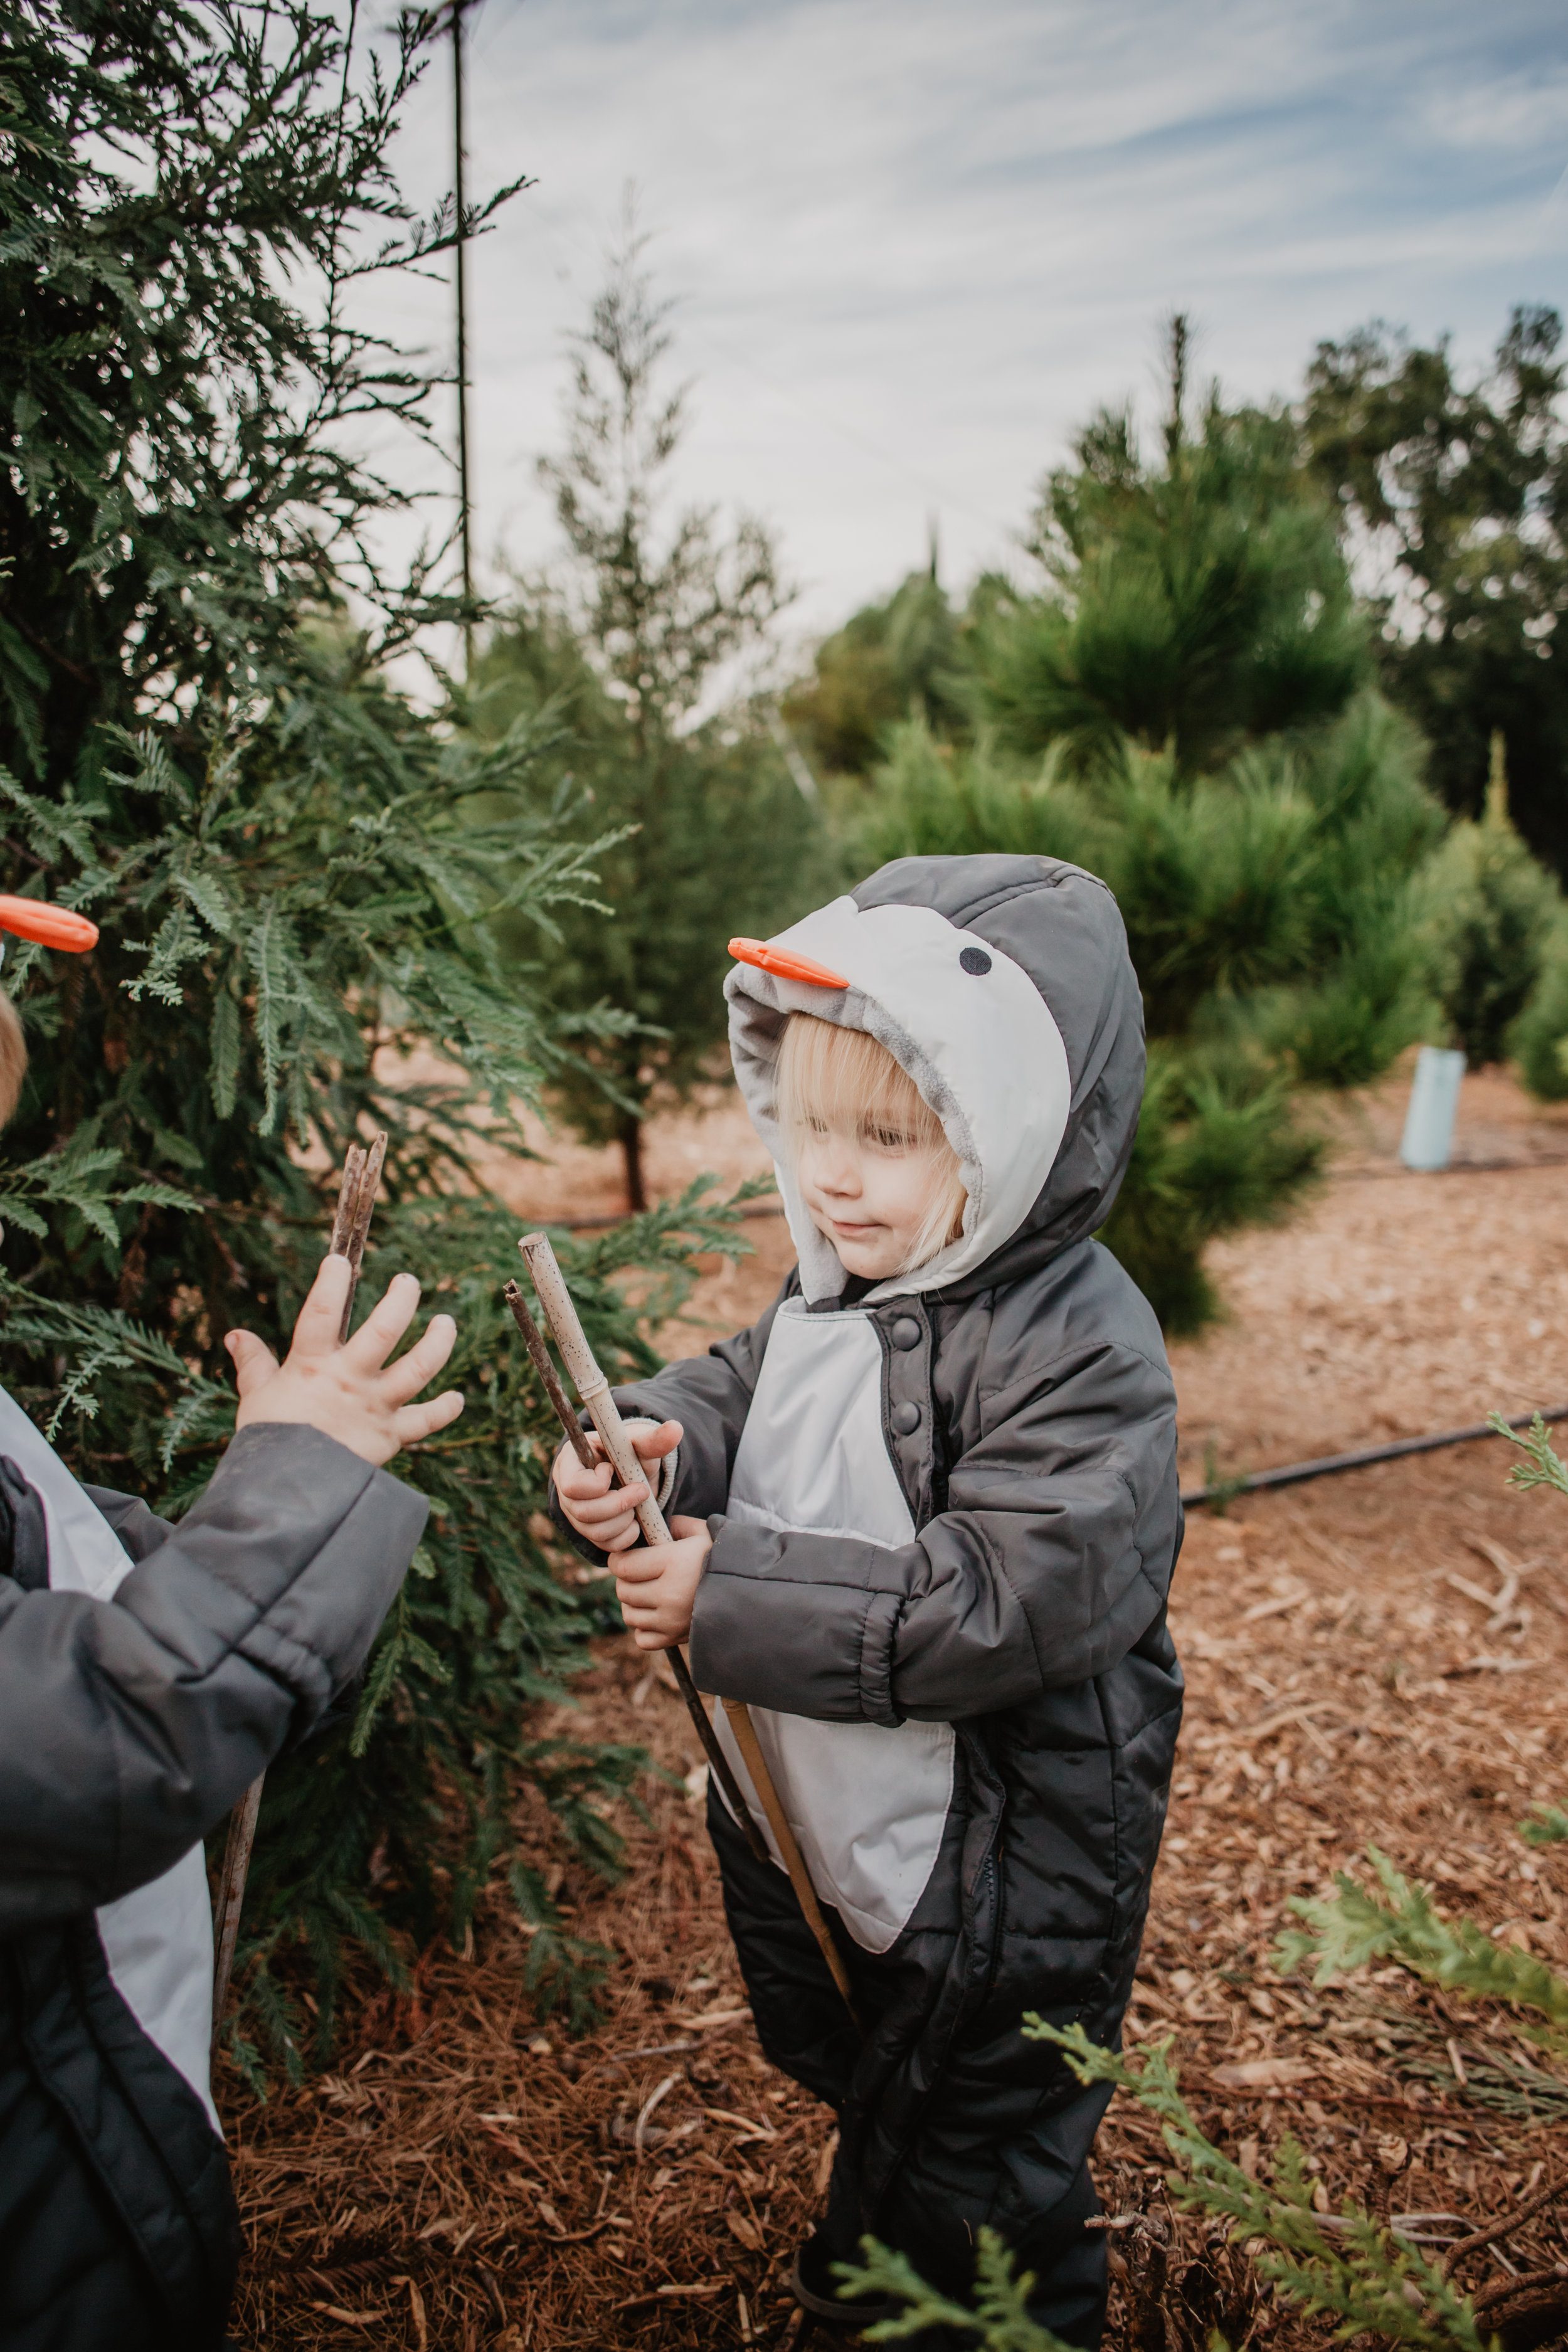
(840, 1169)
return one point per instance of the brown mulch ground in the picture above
(1376, 1657)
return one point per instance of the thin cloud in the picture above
(917, 240)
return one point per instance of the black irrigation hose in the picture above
(1296, 1474)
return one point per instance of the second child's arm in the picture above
(132, 1724)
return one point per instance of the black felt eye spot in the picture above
(974, 960)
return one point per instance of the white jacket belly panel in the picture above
(866, 1803)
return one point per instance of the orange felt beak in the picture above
(780, 963)
(49, 926)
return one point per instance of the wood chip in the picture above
(1264, 2074)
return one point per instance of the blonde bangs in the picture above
(843, 1078)
(847, 1080)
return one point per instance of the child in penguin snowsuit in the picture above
(929, 1515)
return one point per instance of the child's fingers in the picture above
(653, 1444)
(421, 1363)
(319, 1320)
(414, 1422)
(385, 1325)
(608, 1535)
(573, 1481)
(253, 1362)
(601, 1508)
(644, 1567)
(618, 1536)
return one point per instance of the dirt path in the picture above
(467, 2177)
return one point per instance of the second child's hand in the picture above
(349, 1390)
(657, 1585)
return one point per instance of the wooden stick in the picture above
(718, 1762)
(354, 1229)
(351, 1229)
(533, 1340)
(348, 1201)
(593, 1390)
(231, 1895)
(752, 1756)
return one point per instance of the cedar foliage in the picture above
(295, 872)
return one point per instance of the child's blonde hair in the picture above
(843, 1078)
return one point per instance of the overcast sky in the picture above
(916, 241)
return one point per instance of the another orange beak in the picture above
(50, 927)
(778, 960)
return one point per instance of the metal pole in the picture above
(464, 506)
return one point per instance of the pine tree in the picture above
(1193, 604)
(636, 642)
(1177, 709)
(901, 659)
(201, 748)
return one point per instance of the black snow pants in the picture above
(1020, 2172)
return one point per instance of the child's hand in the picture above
(349, 1392)
(657, 1586)
(604, 1516)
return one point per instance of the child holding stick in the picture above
(928, 1517)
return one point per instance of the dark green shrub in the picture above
(1539, 1039)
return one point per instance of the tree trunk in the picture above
(630, 1140)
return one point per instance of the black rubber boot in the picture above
(815, 2289)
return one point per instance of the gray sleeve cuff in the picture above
(796, 1623)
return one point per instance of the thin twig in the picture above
(533, 1340)
(1504, 2290)
(1509, 2222)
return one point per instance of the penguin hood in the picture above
(1003, 986)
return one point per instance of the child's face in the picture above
(869, 1195)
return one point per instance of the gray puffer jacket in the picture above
(148, 1673)
(945, 1516)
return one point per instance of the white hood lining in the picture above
(982, 1049)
